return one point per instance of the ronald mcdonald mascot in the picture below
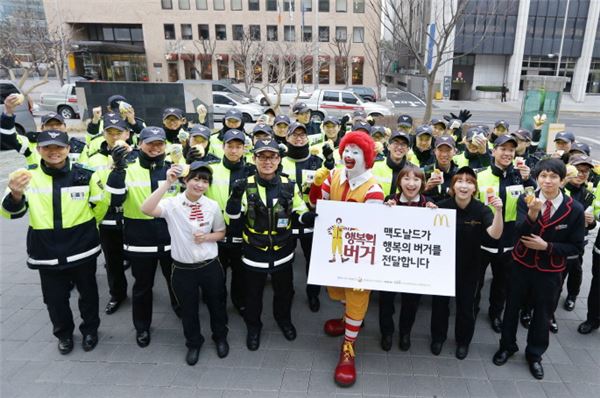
(352, 183)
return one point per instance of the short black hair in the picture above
(201, 173)
(553, 165)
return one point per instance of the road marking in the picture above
(589, 139)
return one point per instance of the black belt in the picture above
(197, 265)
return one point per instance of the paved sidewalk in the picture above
(32, 367)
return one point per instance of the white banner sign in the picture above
(378, 247)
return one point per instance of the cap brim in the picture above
(172, 114)
(424, 132)
(240, 139)
(152, 139)
(302, 110)
(112, 126)
(562, 139)
(200, 135)
(53, 142)
(404, 124)
(53, 118)
(266, 149)
(444, 143)
(239, 119)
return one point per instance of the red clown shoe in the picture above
(345, 371)
(334, 327)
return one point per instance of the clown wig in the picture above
(364, 142)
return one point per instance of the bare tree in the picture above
(340, 48)
(206, 50)
(284, 62)
(403, 20)
(380, 53)
(246, 54)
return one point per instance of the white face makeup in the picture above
(354, 160)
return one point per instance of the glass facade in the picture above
(112, 67)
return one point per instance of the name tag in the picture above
(514, 190)
(561, 226)
(77, 193)
(308, 176)
(282, 222)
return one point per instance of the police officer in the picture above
(423, 147)
(507, 182)
(266, 202)
(300, 165)
(110, 218)
(386, 171)
(440, 173)
(198, 147)
(233, 119)
(280, 128)
(302, 113)
(62, 240)
(524, 139)
(233, 167)
(476, 154)
(146, 239)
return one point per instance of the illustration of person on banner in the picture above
(352, 183)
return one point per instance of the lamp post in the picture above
(562, 38)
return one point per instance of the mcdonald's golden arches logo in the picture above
(441, 219)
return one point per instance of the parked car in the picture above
(24, 118)
(223, 86)
(63, 102)
(223, 101)
(289, 95)
(365, 93)
(331, 102)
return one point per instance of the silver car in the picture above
(24, 118)
(222, 102)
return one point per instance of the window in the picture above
(167, 4)
(255, 32)
(184, 4)
(288, 5)
(340, 33)
(253, 5)
(341, 70)
(341, 5)
(219, 5)
(169, 32)
(271, 5)
(357, 70)
(358, 34)
(323, 5)
(289, 33)
(122, 34)
(201, 5)
(203, 32)
(221, 100)
(272, 33)
(348, 98)
(186, 31)
(307, 71)
(324, 34)
(359, 6)
(331, 96)
(108, 35)
(236, 5)
(137, 34)
(221, 32)
(237, 32)
(307, 33)
(323, 70)
(307, 5)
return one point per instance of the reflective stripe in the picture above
(43, 191)
(23, 149)
(506, 249)
(489, 249)
(144, 249)
(115, 191)
(96, 198)
(302, 231)
(8, 132)
(576, 256)
(596, 250)
(266, 265)
(70, 259)
(108, 222)
(233, 216)
(232, 240)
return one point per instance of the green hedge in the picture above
(491, 89)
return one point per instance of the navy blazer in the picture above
(565, 234)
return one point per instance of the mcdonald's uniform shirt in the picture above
(472, 223)
(507, 185)
(62, 229)
(143, 236)
(363, 188)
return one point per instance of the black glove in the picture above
(344, 120)
(192, 155)
(282, 150)
(329, 162)
(119, 156)
(464, 115)
(308, 219)
(238, 188)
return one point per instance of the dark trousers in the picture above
(573, 274)
(56, 290)
(143, 270)
(186, 284)
(593, 314)
(306, 244)
(464, 327)
(544, 287)
(408, 312)
(500, 264)
(111, 240)
(283, 292)
(230, 256)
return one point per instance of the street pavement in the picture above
(32, 367)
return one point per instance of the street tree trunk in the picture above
(429, 97)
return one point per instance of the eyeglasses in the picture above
(583, 171)
(265, 158)
(298, 135)
(399, 144)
